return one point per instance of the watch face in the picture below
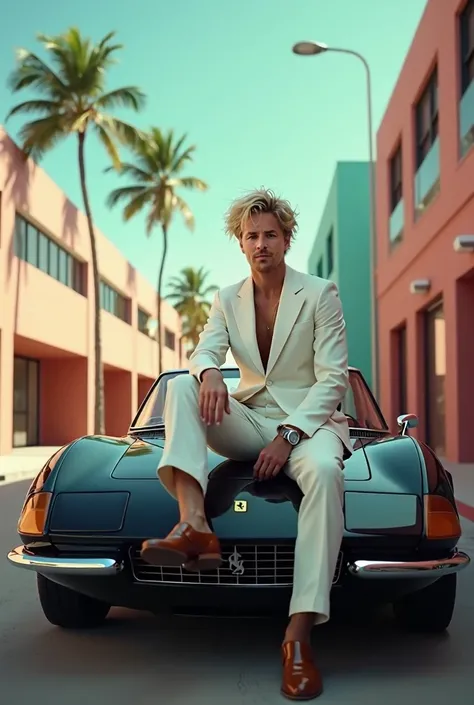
(293, 437)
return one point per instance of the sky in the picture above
(224, 74)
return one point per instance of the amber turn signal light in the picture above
(441, 520)
(33, 516)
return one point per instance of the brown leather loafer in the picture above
(196, 550)
(301, 678)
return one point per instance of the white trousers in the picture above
(316, 464)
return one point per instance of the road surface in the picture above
(138, 659)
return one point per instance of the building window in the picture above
(427, 181)
(38, 249)
(402, 371)
(113, 302)
(170, 339)
(143, 321)
(320, 269)
(466, 105)
(330, 252)
(26, 375)
(396, 191)
(427, 119)
(435, 377)
(396, 197)
(467, 46)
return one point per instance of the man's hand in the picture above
(272, 459)
(213, 397)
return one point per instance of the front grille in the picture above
(243, 564)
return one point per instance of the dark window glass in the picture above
(43, 252)
(62, 269)
(53, 259)
(467, 46)
(427, 119)
(31, 245)
(20, 237)
(330, 252)
(396, 190)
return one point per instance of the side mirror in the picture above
(406, 421)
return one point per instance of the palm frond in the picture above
(137, 204)
(124, 193)
(33, 72)
(109, 145)
(128, 97)
(124, 132)
(46, 107)
(133, 171)
(185, 211)
(190, 182)
(39, 136)
(182, 159)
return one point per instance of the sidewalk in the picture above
(24, 463)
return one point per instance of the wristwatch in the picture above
(289, 434)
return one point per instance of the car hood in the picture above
(141, 458)
(233, 498)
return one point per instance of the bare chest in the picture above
(265, 315)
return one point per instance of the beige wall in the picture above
(46, 320)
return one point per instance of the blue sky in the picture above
(223, 72)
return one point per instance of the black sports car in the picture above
(94, 502)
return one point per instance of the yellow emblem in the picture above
(240, 505)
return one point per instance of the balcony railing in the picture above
(466, 120)
(427, 181)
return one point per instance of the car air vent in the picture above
(156, 434)
(366, 433)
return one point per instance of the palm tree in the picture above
(159, 160)
(72, 100)
(189, 297)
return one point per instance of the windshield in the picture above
(359, 405)
(152, 412)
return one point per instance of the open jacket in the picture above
(307, 372)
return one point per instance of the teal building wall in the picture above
(341, 252)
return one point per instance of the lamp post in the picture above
(309, 48)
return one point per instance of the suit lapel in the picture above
(291, 301)
(244, 311)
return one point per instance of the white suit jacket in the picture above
(307, 371)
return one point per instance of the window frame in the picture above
(396, 177)
(427, 103)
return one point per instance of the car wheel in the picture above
(430, 609)
(69, 609)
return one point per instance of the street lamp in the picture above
(310, 48)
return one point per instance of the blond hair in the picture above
(260, 201)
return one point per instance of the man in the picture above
(286, 332)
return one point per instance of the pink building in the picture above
(47, 317)
(425, 212)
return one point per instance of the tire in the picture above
(429, 610)
(69, 609)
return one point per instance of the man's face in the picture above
(263, 242)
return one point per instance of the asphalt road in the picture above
(143, 660)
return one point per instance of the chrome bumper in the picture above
(410, 569)
(84, 566)
(363, 569)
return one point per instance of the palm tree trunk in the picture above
(160, 282)
(98, 376)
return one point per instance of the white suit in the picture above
(305, 381)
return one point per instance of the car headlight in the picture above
(36, 505)
(34, 513)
